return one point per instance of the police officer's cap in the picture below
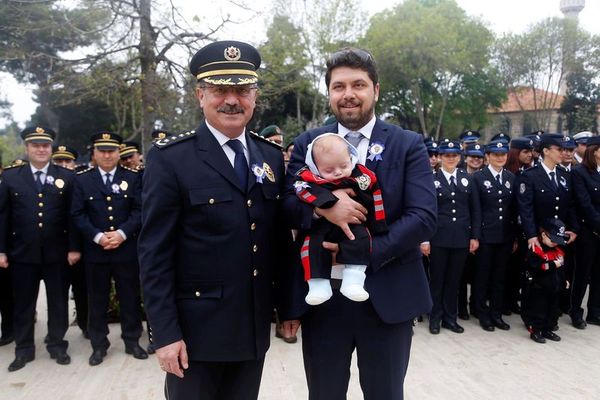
(522, 143)
(505, 137)
(469, 136)
(497, 146)
(556, 230)
(448, 146)
(63, 152)
(432, 146)
(106, 141)
(38, 134)
(594, 140)
(569, 143)
(536, 139)
(159, 134)
(226, 62)
(582, 137)
(551, 139)
(474, 150)
(271, 130)
(128, 148)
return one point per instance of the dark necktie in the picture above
(452, 183)
(107, 181)
(552, 178)
(354, 138)
(38, 180)
(240, 165)
(498, 179)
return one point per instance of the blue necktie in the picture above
(553, 180)
(38, 181)
(107, 181)
(240, 165)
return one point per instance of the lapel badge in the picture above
(522, 188)
(124, 185)
(507, 184)
(487, 184)
(50, 180)
(437, 184)
(59, 183)
(375, 151)
(465, 182)
(269, 172)
(364, 181)
(115, 188)
(259, 172)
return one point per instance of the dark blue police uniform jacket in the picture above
(35, 228)
(586, 186)
(459, 212)
(97, 208)
(208, 248)
(539, 199)
(396, 279)
(498, 206)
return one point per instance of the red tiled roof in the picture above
(523, 99)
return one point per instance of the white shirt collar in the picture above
(222, 139)
(548, 170)
(579, 159)
(366, 130)
(34, 169)
(111, 172)
(448, 175)
(567, 167)
(494, 172)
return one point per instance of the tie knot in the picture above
(38, 173)
(236, 146)
(354, 137)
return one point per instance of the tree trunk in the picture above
(148, 78)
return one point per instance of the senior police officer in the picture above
(37, 241)
(107, 210)
(210, 236)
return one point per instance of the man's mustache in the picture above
(231, 109)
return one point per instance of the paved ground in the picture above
(474, 365)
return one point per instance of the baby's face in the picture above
(334, 164)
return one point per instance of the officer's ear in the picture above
(200, 95)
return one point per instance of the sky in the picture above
(501, 16)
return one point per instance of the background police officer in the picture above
(36, 239)
(107, 209)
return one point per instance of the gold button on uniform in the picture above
(108, 198)
(40, 195)
(110, 208)
(41, 204)
(112, 228)
(253, 226)
(110, 218)
(255, 248)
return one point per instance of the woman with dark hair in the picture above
(586, 184)
(520, 155)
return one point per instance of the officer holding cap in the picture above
(36, 243)
(211, 232)
(107, 210)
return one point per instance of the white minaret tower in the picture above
(571, 8)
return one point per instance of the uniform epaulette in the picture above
(83, 171)
(140, 167)
(265, 140)
(168, 141)
(17, 163)
(129, 169)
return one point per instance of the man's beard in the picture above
(355, 120)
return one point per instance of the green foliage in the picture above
(11, 146)
(581, 102)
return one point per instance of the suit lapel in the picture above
(379, 135)
(27, 176)
(256, 158)
(545, 179)
(212, 153)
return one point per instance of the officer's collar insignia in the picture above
(269, 172)
(259, 172)
(375, 151)
(487, 184)
(232, 53)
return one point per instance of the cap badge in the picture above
(434, 145)
(62, 148)
(451, 145)
(39, 130)
(499, 145)
(106, 136)
(477, 147)
(232, 53)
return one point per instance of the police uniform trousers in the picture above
(26, 285)
(514, 277)
(6, 303)
(587, 271)
(205, 380)
(541, 307)
(127, 285)
(79, 286)
(467, 279)
(569, 268)
(330, 333)
(446, 269)
(489, 280)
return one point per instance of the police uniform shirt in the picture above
(495, 174)
(111, 175)
(43, 175)
(363, 146)
(222, 139)
(449, 175)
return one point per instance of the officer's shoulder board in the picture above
(16, 164)
(261, 139)
(84, 171)
(171, 140)
(129, 169)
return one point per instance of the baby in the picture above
(331, 163)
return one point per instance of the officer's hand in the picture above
(334, 248)
(173, 358)
(533, 242)
(114, 238)
(473, 245)
(73, 257)
(515, 246)
(290, 328)
(426, 249)
(3, 261)
(104, 241)
(572, 236)
(345, 211)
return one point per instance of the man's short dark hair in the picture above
(352, 58)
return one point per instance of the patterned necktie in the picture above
(552, 178)
(38, 180)
(452, 183)
(354, 138)
(240, 165)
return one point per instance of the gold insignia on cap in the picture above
(269, 172)
(62, 148)
(39, 130)
(232, 53)
(162, 135)
(123, 185)
(59, 183)
(106, 136)
(122, 146)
